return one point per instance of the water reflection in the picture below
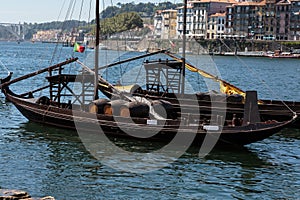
(69, 167)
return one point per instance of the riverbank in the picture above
(216, 47)
(241, 47)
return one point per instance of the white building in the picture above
(158, 24)
(189, 21)
(216, 26)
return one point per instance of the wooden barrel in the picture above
(43, 100)
(135, 89)
(107, 110)
(126, 109)
(138, 109)
(114, 107)
(164, 109)
(98, 106)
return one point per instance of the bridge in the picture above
(18, 31)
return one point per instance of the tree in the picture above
(120, 23)
(147, 9)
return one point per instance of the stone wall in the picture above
(201, 46)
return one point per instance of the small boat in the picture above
(280, 54)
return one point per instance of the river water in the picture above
(48, 161)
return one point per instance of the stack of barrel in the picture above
(119, 108)
(132, 109)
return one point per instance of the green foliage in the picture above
(291, 43)
(123, 17)
(144, 9)
(120, 23)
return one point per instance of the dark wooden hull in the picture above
(65, 118)
(269, 110)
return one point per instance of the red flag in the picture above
(78, 48)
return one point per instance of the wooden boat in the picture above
(128, 116)
(52, 111)
(164, 83)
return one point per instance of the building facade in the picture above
(216, 26)
(211, 19)
(189, 22)
(169, 24)
(158, 24)
(295, 20)
(283, 11)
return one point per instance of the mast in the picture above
(184, 46)
(96, 95)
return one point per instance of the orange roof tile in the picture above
(213, 1)
(262, 3)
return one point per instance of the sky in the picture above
(39, 11)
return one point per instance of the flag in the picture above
(78, 48)
(172, 44)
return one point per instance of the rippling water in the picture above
(49, 161)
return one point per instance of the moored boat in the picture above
(280, 54)
(119, 123)
(73, 102)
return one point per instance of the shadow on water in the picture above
(40, 131)
(289, 133)
(43, 132)
(227, 154)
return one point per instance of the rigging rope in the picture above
(225, 87)
(258, 77)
